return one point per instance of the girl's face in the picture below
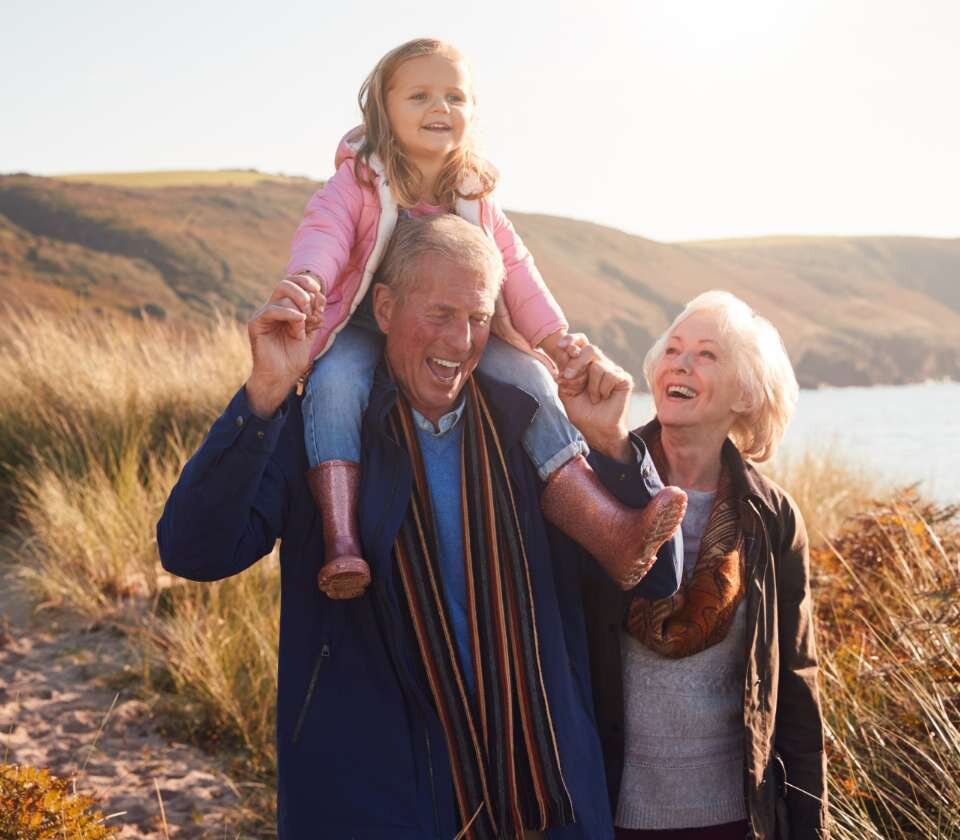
(430, 106)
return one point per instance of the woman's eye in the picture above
(670, 351)
(708, 354)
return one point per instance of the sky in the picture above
(671, 119)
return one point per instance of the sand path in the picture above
(58, 711)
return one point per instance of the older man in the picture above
(455, 695)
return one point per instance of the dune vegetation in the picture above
(97, 417)
(176, 178)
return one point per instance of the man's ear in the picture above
(384, 302)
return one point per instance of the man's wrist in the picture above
(615, 445)
(265, 398)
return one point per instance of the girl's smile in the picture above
(430, 106)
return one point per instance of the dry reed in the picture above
(96, 418)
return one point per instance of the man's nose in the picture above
(459, 336)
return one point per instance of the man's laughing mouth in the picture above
(444, 369)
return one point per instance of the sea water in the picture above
(905, 433)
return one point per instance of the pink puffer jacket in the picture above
(344, 234)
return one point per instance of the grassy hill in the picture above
(181, 245)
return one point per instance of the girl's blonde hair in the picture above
(463, 165)
(763, 369)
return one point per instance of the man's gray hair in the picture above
(763, 368)
(447, 235)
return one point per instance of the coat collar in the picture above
(513, 410)
(747, 481)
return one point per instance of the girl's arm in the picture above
(533, 309)
(328, 231)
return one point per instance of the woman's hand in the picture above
(281, 333)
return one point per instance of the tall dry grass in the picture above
(888, 596)
(827, 488)
(78, 391)
(96, 419)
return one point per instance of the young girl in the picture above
(414, 155)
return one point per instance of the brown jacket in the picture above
(785, 778)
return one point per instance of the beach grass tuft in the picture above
(97, 418)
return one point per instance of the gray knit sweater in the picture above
(684, 733)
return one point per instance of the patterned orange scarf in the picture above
(699, 614)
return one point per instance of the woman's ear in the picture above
(383, 303)
(743, 404)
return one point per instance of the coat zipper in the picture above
(433, 784)
(311, 688)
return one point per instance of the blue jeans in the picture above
(339, 386)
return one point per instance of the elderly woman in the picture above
(707, 700)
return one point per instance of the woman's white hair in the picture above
(763, 367)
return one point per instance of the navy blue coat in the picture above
(361, 753)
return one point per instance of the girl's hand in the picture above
(280, 341)
(316, 289)
(573, 359)
(600, 410)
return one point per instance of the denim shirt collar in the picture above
(447, 422)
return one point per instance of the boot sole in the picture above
(667, 516)
(345, 577)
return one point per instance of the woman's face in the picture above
(695, 383)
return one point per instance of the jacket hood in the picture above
(351, 142)
(349, 146)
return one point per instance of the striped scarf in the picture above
(700, 613)
(502, 746)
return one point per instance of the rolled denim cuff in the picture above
(568, 453)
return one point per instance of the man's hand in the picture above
(600, 409)
(281, 332)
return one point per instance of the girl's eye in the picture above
(419, 96)
(455, 98)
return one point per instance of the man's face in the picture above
(437, 333)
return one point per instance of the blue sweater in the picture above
(441, 462)
(361, 753)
